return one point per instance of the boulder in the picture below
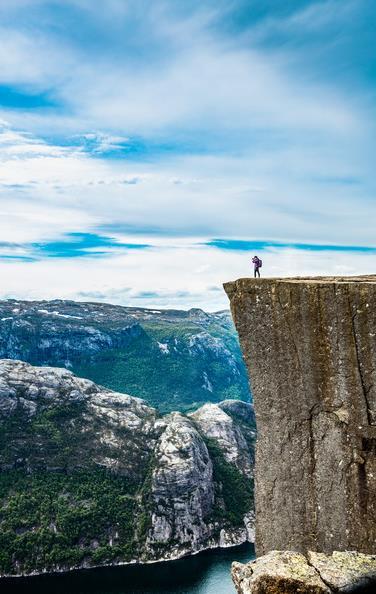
(289, 572)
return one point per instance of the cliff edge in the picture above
(310, 348)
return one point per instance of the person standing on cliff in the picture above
(257, 263)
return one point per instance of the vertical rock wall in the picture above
(310, 348)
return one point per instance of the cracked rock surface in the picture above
(288, 572)
(310, 348)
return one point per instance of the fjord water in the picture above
(205, 573)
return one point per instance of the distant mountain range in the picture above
(175, 360)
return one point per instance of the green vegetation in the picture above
(173, 381)
(59, 507)
(175, 360)
(233, 490)
(53, 433)
(50, 520)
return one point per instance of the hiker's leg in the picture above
(258, 272)
(255, 272)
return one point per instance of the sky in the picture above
(149, 148)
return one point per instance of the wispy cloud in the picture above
(23, 144)
(249, 245)
(78, 245)
(99, 143)
(155, 123)
(166, 276)
(70, 245)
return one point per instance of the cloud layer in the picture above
(131, 137)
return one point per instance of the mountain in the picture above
(94, 477)
(176, 360)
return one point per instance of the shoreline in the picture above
(133, 563)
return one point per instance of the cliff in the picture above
(89, 476)
(310, 349)
(174, 359)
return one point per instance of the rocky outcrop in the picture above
(89, 476)
(92, 425)
(216, 423)
(192, 356)
(310, 348)
(182, 474)
(288, 572)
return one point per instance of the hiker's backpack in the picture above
(259, 263)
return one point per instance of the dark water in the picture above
(206, 573)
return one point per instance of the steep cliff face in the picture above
(310, 348)
(89, 476)
(175, 359)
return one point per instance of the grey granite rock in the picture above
(345, 571)
(310, 348)
(288, 572)
(182, 489)
(217, 424)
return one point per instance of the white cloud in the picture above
(184, 85)
(33, 61)
(105, 142)
(21, 144)
(250, 146)
(181, 276)
(264, 196)
(24, 221)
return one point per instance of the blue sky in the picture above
(147, 147)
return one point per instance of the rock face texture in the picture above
(89, 476)
(215, 423)
(310, 348)
(288, 572)
(183, 473)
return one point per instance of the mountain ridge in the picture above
(175, 359)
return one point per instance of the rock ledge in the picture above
(288, 572)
